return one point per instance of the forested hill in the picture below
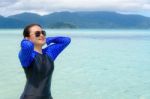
(97, 19)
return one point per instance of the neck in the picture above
(38, 49)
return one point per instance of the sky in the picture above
(43, 7)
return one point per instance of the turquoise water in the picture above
(98, 64)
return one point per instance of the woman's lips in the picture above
(41, 39)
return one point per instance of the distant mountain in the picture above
(97, 19)
(10, 23)
(27, 17)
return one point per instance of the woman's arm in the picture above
(60, 43)
(25, 54)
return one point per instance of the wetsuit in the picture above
(39, 67)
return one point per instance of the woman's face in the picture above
(38, 41)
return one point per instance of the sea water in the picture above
(98, 64)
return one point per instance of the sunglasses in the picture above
(38, 33)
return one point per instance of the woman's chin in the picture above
(40, 43)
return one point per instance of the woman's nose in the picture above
(41, 34)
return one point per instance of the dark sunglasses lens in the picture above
(44, 33)
(37, 33)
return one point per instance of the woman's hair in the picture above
(26, 31)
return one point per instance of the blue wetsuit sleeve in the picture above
(25, 54)
(59, 43)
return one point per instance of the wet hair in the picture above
(26, 31)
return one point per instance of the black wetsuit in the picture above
(39, 76)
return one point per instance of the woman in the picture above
(38, 63)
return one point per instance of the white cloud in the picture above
(5, 3)
(9, 7)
